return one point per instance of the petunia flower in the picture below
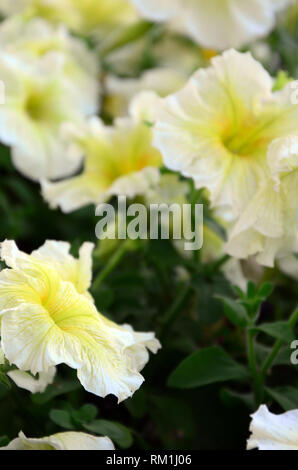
(61, 441)
(118, 160)
(273, 432)
(83, 17)
(218, 130)
(216, 24)
(48, 318)
(38, 100)
(37, 39)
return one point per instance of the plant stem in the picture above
(174, 310)
(276, 348)
(253, 367)
(113, 262)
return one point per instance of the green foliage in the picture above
(204, 367)
(235, 312)
(4, 380)
(119, 434)
(279, 330)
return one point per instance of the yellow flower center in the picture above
(246, 141)
(42, 103)
(130, 151)
(35, 106)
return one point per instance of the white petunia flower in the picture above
(38, 100)
(118, 160)
(273, 432)
(61, 441)
(38, 39)
(47, 319)
(218, 130)
(33, 384)
(217, 24)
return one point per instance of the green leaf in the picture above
(285, 396)
(251, 290)
(239, 292)
(170, 424)
(4, 390)
(204, 367)
(85, 414)
(4, 441)
(281, 81)
(4, 380)
(62, 418)
(104, 297)
(137, 405)
(55, 390)
(279, 330)
(231, 399)
(234, 311)
(266, 290)
(119, 434)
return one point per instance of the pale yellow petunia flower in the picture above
(38, 39)
(220, 130)
(38, 100)
(49, 318)
(118, 160)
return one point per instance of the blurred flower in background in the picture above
(118, 160)
(217, 24)
(219, 132)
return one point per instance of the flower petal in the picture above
(34, 385)
(273, 432)
(61, 441)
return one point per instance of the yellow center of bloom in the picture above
(249, 135)
(129, 150)
(35, 107)
(246, 140)
(41, 104)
